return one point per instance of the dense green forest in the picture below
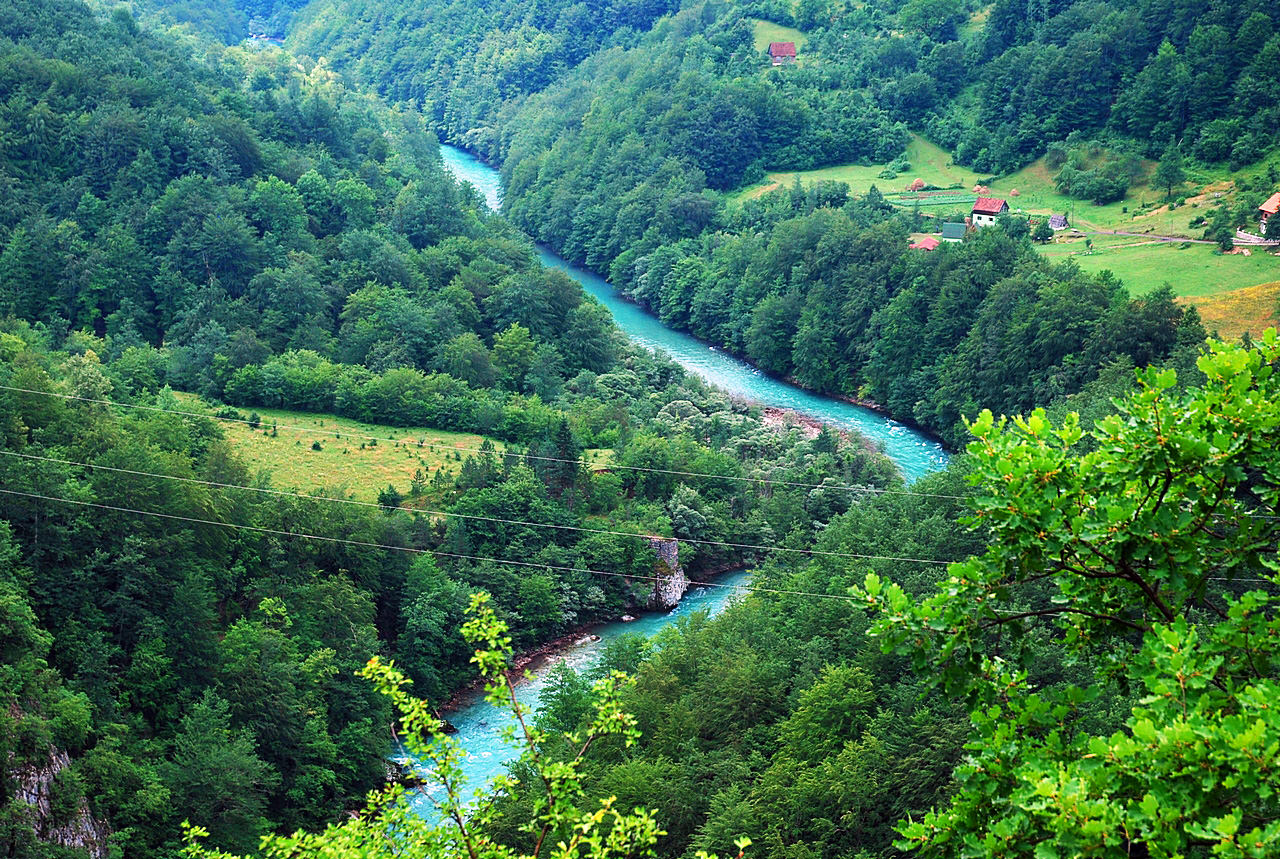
(182, 638)
(234, 224)
(1096, 679)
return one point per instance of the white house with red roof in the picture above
(1266, 210)
(987, 209)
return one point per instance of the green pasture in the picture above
(1144, 209)
(355, 458)
(767, 31)
(1193, 271)
(928, 162)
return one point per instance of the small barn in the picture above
(1266, 210)
(953, 231)
(1058, 222)
(987, 209)
(927, 243)
(782, 52)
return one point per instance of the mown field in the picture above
(355, 458)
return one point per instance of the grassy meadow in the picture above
(928, 162)
(767, 31)
(356, 459)
(1193, 271)
(1251, 309)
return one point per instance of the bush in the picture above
(390, 497)
(315, 445)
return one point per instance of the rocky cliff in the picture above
(670, 582)
(77, 828)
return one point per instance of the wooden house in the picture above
(926, 243)
(782, 52)
(1058, 222)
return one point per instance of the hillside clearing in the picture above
(354, 457)
(928, 162)
(767, 31)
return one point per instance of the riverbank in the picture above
(916, 453)
(585, 634)
(528, 660)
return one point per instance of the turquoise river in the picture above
(479, 724)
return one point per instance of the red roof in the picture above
(782, 49)
(928, 243)
(1272, 205)
(989, 206)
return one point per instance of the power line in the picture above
(366, 544)
(751, 588)
(871, 490)
(445, 513)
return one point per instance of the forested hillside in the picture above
(182, 637)
(180, 634)
(1096, 678)
(612, 161)
(462, 63)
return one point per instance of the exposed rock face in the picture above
(671, 582)
(80, 830)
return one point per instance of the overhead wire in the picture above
(451, 514)
(368, 544)
(870, 490)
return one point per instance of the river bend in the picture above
(480, 724)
